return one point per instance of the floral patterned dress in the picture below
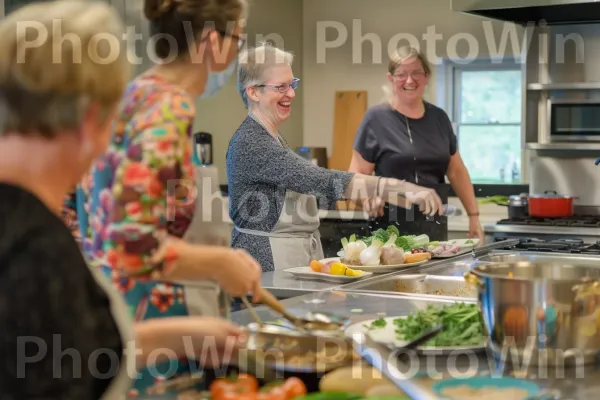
(124, 207)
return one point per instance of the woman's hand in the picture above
(213, 341)
(239, 274)
(373, 206)
(427, 199)
(475, 229)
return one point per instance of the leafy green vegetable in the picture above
(377, 324)
(500, 200)
(463, 325)
(383, 235)
(469, 241)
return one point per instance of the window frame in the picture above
(448, 93)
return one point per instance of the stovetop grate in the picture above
(571, 246)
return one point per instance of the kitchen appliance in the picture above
(518, 206)
(551, 205)
(574, 120)
(553, 12)
(316, 155)
(564, 245)
(545, 312)
(203, 145)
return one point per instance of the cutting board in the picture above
(350, 108)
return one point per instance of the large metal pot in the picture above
(547, 311)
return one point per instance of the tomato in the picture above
(275, 393)
(294, 387)
(248, 382)
(238, 384)
(235, 396)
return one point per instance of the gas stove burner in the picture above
(564, 245)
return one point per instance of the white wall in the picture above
(384, 18)
(222, 114)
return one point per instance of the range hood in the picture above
(522, 12)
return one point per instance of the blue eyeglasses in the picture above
(284, 87)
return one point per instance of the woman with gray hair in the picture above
(55, 120)
(273, 191)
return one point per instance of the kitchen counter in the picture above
(574, 383)
(361, 304)
(284, 285)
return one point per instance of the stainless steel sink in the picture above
(421, 286)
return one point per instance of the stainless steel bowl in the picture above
(544, 313)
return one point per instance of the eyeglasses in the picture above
(416, 75)
(240, 41)
(284, 87)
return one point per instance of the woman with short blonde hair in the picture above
(411, 139)
(65, 329)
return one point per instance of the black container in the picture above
(203, 148)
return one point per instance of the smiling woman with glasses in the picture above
(273, 191)
(409, 138)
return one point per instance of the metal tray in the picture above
(419, 285)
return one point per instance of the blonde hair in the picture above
(255, 61)
(173, 17)
(56, 58)
(397, 58)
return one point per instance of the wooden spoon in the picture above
(271, 301)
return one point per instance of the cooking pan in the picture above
(551, 205)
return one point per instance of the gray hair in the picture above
(254, 62)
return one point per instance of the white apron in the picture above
(295, 239)
(207, 227)
(121, 384)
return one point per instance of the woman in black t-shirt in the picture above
(410, 139)
(64, 327)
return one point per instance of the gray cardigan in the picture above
(259, 171)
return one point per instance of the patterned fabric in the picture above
(124, 207)
(69, 215)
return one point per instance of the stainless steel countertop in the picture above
(573, 383)
(284, 285)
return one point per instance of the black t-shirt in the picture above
(58, 334)
(383, 139)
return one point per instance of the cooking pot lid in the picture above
(550, 195)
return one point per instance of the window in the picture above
(486, 112)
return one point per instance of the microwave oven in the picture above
(572, 120)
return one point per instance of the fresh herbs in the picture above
(463, 325)
(383, 235)
(377, 324)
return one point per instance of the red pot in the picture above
(551, 205)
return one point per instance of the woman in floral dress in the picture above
(132, 221)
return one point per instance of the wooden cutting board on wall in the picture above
(350, 108)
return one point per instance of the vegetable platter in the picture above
(384, 251)
(463, 329)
